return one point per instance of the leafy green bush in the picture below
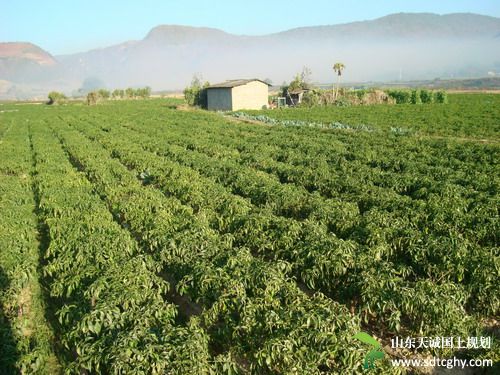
(118, 93)
(415, 97)
(400, 96)
(441, 97)
(311, 98)
(342, 102)
(104, 94)
(418, 96)
(56, 98)
(426, 96)
(196, 94)
(360, 94)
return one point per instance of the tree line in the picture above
(96, 96)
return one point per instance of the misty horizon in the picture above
(396, 47)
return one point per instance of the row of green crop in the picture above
(251, 308)
(393, 236)
(26, 338)
(111, 307)
(474, 226)
(261, 188)
(319, 259)
(4, 128)
(418, 96)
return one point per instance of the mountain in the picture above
(183, 35)
(24, 61)
(398, 46)
(24, 70)
(407, 25)
(26, 51)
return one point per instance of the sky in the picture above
(70, 26)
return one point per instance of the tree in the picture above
(92, 98)
(130, 93)
(144, 92)
(441, 97)
(56, 98)
(426, 96)
(196, 94)
(338, 67)
(103, 93)
(301, 81)
(296, 84)
(118, 93)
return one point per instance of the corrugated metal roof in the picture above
(234, 83)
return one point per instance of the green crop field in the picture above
(467, 115)
(138, 238)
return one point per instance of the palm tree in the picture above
(338, 67)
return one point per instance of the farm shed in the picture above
(294, 97)
(238, 94)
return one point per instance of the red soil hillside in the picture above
(26, 51)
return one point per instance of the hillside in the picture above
(25, 70)
(26, 51)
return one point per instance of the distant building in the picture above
(238, 94)
(294, 97)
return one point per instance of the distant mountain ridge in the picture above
(410, 25)
(179, 34)
(400, 25)
(417, 44)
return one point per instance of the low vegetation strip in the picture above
(26, 338)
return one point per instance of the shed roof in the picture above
(298, 91)
(234, 83)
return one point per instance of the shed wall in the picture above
(219, 99)
(253, 95)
